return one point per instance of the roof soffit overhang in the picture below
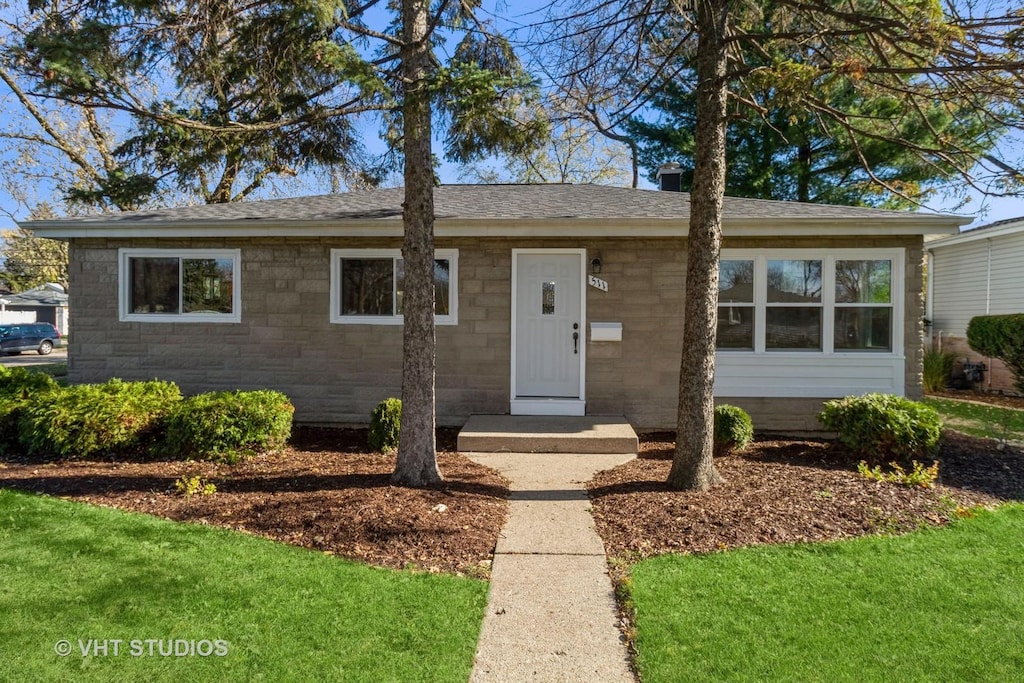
(767, 227)
(982, 233)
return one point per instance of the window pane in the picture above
(863, 282)
(793, 328)
(208, 285)
(442, 287)
(547, 298)
(794, 281)
(736, 282)
(864, 328)
(442, 269)
(367, 286)
(735, 327)
(154, 285)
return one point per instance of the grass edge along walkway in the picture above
(75, 572)
(937, 604)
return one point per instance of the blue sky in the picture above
(988, 209)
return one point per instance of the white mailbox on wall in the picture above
(611, 332)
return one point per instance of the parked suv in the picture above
(40, 337)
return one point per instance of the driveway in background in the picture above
(59, 355)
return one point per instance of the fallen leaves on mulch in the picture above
(789, 491)
(323, 492)
(326, 493)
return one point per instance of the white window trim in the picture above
(124, 285)
(451, 255)
(828, 305)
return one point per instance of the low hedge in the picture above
(116, 418)
(883, 427)
(137, 420)
(227, 426)
(17, 386)
(21, 383)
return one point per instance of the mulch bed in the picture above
(323, 492)
(326, 493)
(787, 492)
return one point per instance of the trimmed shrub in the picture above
(116, 418)
(17, 385)
(227, 426)
(880, 427)
(734, 430)
(937, 370)
(385, 424)
(21, 382)
(1002, 337)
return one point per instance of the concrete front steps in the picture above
(547, 434)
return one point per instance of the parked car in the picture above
(39, 337)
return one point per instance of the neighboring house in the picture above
(551, 299)
(977, 272)
(44, 304)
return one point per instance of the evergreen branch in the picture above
(57, 140)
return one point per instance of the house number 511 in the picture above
(597, 283)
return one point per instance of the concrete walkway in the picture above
(551, 613)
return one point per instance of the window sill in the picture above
(385, 320)
(219, 318)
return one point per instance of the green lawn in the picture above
(74, 572)
(56, 370)
(936, 605)
(980, 420)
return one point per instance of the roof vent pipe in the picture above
(670, 178)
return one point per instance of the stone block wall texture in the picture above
(337, 373)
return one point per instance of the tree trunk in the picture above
(692, 465)
(803, 190)
(417, 451)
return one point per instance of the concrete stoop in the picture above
(547, 434)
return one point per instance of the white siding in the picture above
(15, 317)
(958, 289)
(1007, 275)
(807, 375)
(961, 288)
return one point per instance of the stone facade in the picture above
(336, 373)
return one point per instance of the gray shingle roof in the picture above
(40, 296)
(492, 203)
(1000, 229)
(1019, 220)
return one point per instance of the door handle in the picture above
(575, 338)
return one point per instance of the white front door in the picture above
(548, 331)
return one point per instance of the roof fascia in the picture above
(559, 227)
(977, 234)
